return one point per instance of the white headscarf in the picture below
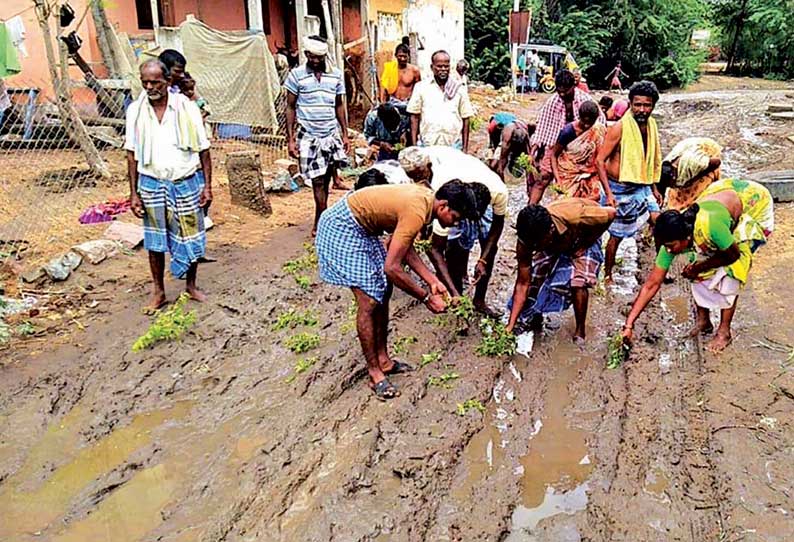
(315, 46)
(413, 158)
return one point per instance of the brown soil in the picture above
(209, 439)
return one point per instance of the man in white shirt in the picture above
(440, 108)
(166, 146)
(450, 247)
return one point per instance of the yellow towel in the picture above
(390, 77)
(637, 166)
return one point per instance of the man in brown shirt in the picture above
(351, 254)
(559, 256)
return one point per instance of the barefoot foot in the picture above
(196, 294)
(701, 328)
(720, 341)
(157, 302)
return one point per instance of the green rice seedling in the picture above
(169, 324)
(350, 324)
(443, 381)
(303, 342)
(302, 366)
(25, 329)
(5, 332)
(617, 351)
(422, 246)
(427, 359)
(463, 309)
(402, 343)
(496, 340)
(306, 262)
(475, 123)
(292, 319)
(468, 405)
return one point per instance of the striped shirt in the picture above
(316, 105)
(552, 118)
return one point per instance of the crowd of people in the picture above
(603, 162)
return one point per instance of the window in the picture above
(143, 9)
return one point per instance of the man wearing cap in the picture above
(315, 103)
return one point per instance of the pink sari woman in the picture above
(574, 156)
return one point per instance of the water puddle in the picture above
(524, 519)
(656, 484)
(626, 267)
(557, 466)
(483, 454)
(28, 506)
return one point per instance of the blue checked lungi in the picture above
(348, 255)
(469, 232)
(172, 220)
(553, 276)
(635, 203)
(317, 154)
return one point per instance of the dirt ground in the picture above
(216, 437)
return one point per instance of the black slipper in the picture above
(385, 390)
(400, 367)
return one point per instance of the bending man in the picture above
(559, 256)
(352, 254)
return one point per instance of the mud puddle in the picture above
(555, 471)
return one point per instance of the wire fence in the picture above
(46, 176)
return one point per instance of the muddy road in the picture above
(217, 437)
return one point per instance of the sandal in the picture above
(385, 390)
(400, 367)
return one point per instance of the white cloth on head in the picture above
(393, 172)
(314, 46)
(413, 158)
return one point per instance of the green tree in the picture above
(487, 47)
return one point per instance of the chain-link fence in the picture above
(47, 182)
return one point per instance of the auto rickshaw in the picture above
(553, 58)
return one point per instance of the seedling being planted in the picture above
(524, 162)
(296, 267)
(496, 340)
(427, 359)
(443, 381)
(422, 245)
(302, 342)
(470, 404)
(170, 324)
(617, 351)
(402, 343)
(292, 319)
(462, 308)
(302, 366)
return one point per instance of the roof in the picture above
(541, 48)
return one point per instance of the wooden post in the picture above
(69, 117)
(300, 25)
(103, 30)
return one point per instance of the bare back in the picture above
(730, 200)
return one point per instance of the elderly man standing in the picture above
(166, 144)
(315, 95)
(559, 110)
(440, 108)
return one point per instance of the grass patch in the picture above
(169, 324)
(292, 319)
(302, 264)
(25, 329)
(402, 343)
(470, 404)
(443, 381)
(496, 340)
(302, 342)
(302, 366)
(427, 359)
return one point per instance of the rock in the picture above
(98, 250)
(246, 184)
(287, 165)
(130, 235)
(282, 182)
(787, 115)
(60, 268)
(33, 275)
